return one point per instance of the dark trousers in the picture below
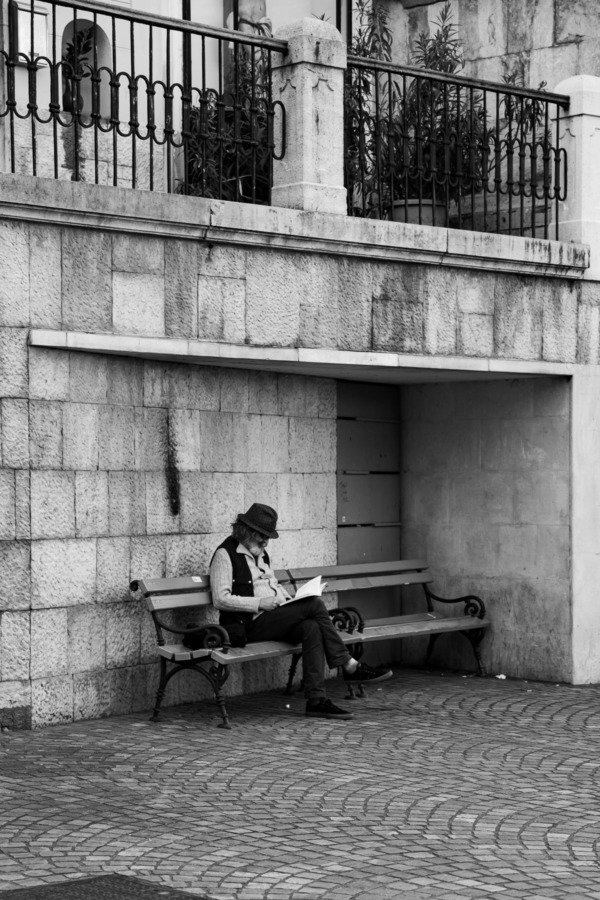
(304, 622)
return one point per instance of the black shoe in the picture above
(325, 709)
(363, 673)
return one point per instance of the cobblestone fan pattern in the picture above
(443, 786)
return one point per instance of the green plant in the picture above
(75, 66)
(228, 137)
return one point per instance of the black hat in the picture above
(260, 518)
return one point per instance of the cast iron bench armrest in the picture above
(474, 606)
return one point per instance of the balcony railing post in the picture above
(309, 82)
(580, 137)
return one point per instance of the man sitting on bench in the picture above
(249, 597)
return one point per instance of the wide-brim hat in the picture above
(260, 518)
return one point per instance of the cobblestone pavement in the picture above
(443, 786)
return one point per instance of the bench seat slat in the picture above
(179, 653)
(426, 626)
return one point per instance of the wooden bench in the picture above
(168, 596)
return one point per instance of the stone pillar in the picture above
(580, 136)
(585, 523)
(309, 82)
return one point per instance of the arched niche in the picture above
(85, 35)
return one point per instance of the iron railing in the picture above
(114, 96)
(452, 151)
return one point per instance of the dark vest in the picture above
(241, 584)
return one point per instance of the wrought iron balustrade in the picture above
(109, 95)
(452, 151)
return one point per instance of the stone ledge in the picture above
(112, 209)
(363, 365)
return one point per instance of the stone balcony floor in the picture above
(442, 787)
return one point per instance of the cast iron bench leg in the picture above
(161, 689)
(289, 688)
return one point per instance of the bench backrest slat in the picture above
(352, 570)
(177, 601)
(377, 581)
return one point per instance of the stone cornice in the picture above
(67, 204)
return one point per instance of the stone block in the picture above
(290, 501)
(181, 386)
(276, 454)
(160, 516)
(126, 503)
(523, 445)
(476, 335)
(148, 557)
(15, 582)
(354, 286)
(274, 284)
(91, 695)
(234, 390)
(121, 691)
(246, 449)
(48, 643)
(320, 501)
(440, 323)
(52, 701)
(221, 309)
(15, 705)
(46, 434)
(398, 321)
(14, 415)
(195, 488)
(123, 634)
(86, 280)
(221, 261)
(225, 500)
(7, 505)
(125, 381)
(86, 634)
(14, 378)
(263, 393)
(216, 441)
(185, 554)
(588, 337)
(437, 448)
(494, 399)
(14, 273)
(489, 496)
(551, 397)
(181, 289)
(559, 323)
(116, 437)
(184, 438)
(425, 498)
(45, 287)
(542, 498)
(80, 436)
(138, 303)
(48, 374)
(88, 377)
(518, 320)
(260, 487)
(22, 505)
(91, 504)
(138, 254)
(327, 389)
(292, 395)
(151, 439)
(113, 569)
(15, 646)
(63, 573)
(52, 504)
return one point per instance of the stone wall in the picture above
(540, 40)
(114, 467)
(486, 497)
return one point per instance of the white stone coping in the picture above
(46, 201)
(345, 364)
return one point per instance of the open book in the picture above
(312, 588)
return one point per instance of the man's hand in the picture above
(268, 603)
